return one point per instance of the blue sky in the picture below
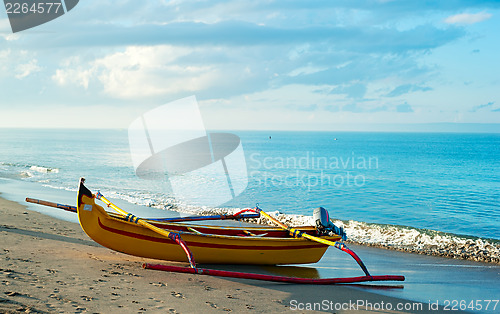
(296, 65)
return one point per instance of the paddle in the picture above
(297, 234)
(68, 208)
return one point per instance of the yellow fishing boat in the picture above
(208, 244)
(165, 239)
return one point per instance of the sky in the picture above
(268, 65)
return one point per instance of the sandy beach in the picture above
(50, 265)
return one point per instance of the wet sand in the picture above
(50, 265)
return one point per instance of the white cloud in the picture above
(468, 18)
(162, 71)
(25, 69)
(4, 61)
(80, 77)
(151, 71)
(18, 64)
(138, 72)
(5, 29)
(306, 70)
(4, 54)
(10, 37)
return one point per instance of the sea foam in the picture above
(44, 169)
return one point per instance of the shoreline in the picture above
(50, 265)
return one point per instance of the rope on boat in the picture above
(177, 239)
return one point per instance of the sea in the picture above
(430, 193)
(410, 182)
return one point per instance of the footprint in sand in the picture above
(158, 284)
(18, 294)
(211, 304)
(177, 295)
(86, 298)
(12, 293)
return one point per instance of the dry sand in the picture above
(49, 265)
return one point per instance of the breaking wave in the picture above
(423, 241)
(44, 169)
(24, 170)
(34, 171)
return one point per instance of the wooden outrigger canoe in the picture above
(160, 239)
(209, 244)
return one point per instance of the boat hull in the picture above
(131, 238)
